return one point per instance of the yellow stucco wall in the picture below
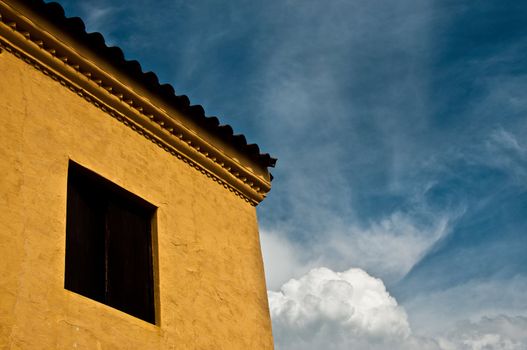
(211, 289)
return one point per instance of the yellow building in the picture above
(127, 217)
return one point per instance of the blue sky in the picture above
(399, 131)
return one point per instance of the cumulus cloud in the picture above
(336, 310)
(324, 309)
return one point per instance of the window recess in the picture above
(109, 244)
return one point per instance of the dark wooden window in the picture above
(109, 244)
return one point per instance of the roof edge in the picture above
(35, 40)
(95, 42)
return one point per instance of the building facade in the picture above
(127, 216)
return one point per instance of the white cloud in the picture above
(352, 310)
(336, 310)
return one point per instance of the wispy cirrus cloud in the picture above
(388, 248)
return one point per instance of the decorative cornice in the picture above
(36, 44)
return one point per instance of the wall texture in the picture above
(211, 289)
